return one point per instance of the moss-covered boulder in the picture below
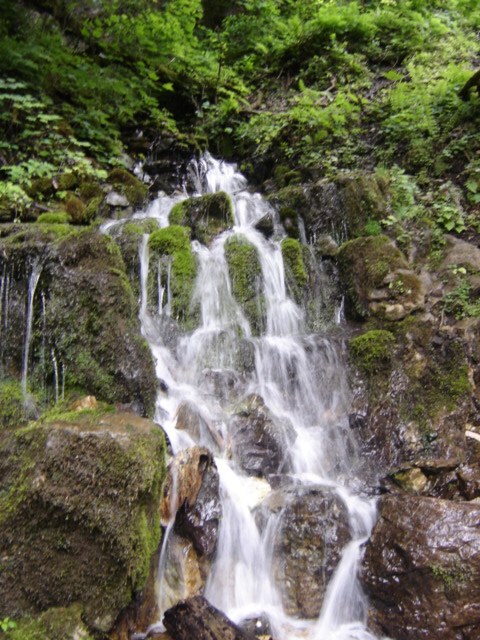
(245, 275)
(206, 215)
(12, 409)
(85, 328)
(58, 623)
(173, 265)
(79, 515)
(128, 185)
(295, 272)
(377, 279)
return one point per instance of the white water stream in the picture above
(302, 382)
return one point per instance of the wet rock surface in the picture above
(79, 500)
(259, 444)
(422, 569)
(307, 545)
(197, 618)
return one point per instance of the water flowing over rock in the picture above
(422, 569)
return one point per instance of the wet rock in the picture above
(200, 521)
(114, 199)
(183, 576)
(191, 494)
(206, 215)
(88, 402)
(422, 569)
(307, 546)
(266, 225)
(258, 626)
(197, 618)
(259, 444)
(191, 420)
(79, 500)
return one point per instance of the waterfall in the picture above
(301, 381)
(32, 285)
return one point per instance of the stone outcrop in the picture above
(79, 514)
(422, 569)
(85, 330)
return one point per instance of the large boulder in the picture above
(206, 215)
(308, 543)
(79, 516)
(422, 569)
(259, 444)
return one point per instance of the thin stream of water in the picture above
(303, 384)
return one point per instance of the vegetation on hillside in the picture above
(321, 86)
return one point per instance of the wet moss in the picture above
(92, 209)
(75, 208)
(295, 272)
(245, 276)
(372, 352)
(58, 623)
(207, 215)
(66, 181)
(12, 411)
(172, 250)
(58, 217)
(365, 200)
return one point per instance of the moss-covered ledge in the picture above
(79, 514)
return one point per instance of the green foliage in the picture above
(461, 303)
(60, 217)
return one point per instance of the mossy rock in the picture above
(245, 275)
(12, 410)
(128, 185)
(40, 187)
(66, 182)
(58, 623)
(84, 313)
(207, 215)
(81, 502)
(295, 272)
(372, 352)
(54, 217)
(173, 264)
(90, 190)
(364, 264)
(75, 208)
(365, 201)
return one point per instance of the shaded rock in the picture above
(183, 576)
(190, 419)
(79, 500)
(266, 225)
(377, 279)
(422, 569)
(259, 444)
(307, 547)
(197, 618)
(206, 215)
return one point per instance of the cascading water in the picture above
(300, 380)
(32, 286)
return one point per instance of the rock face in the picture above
(422, 569)
(259, 444)
(191, 501)
(85, 330)
(206, 215)
(197, 618)
(79, 501)
(307, 546)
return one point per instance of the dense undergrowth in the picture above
(306, 89)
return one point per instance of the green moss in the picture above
(12, 412)
(365, 201)
(372, 352)
(58, 217)
(75, 208)
(67, 181)
(138, 229)
(90, 190)
(363, 264)
(133, 189)
(295, 272)
(207, 215)
(171, 246)
(40, 187)
(245, 274)
(92, 208)
(58, 623)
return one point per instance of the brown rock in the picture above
(422, 569)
